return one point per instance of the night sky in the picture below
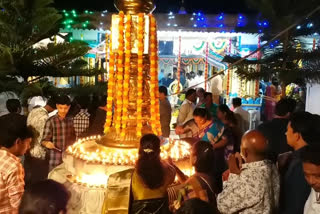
(164, 6)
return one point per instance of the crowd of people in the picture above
(273, 169)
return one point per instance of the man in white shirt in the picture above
(237, 105)
(311, 168)
(186, 111)
(252, 186)
(36, 166)
(216, 87)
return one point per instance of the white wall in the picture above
(313, 100)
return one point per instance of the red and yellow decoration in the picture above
(206, 70)
(127, 68)
(120, 69)
(179, 65)
(130, 65)
(154, 92)
(111, 84)
(140, 72)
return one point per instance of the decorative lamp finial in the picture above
(135, 6)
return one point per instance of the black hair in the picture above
(236, 101)
(202, 112)
(205, 157)
(200, 72)
(63, 100)
(195, 206)
(190, 92)
(44, 197)
(13, 127)
(13, 105)
(311, 155)
(308, 126)
(275, 81)
(282, 107)
(207, 94)
(148, 165)
(52, 102)
(229, 115)
(83, 101)
(292, 103)
(201, 90)
(102, 100)
(164, 90)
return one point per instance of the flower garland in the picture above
(154, 91)
(257, 85)
(111, 85)
(140, 72)
(118, 112)
(206, 70)
(153, 73)
(126, 74)
(158, 124)
(179, 65)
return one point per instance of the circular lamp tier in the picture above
(91, 163)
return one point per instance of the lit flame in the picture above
(176, 149)
(96, 180)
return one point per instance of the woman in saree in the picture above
(206, 126)
(144, 188)
(201, 185)
(272, 97)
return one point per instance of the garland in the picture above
(206, 67)
(185, 61)
(111, 85)
(140, 72)
(257, 85)
(200, 47)
(127, 68)
(179, 65)
(154, 92)
(118, 112)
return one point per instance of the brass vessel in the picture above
(135, 6)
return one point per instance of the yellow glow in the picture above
(175, 149)
(96, 180)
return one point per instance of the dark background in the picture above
(163, 6)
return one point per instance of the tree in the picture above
(285, 58)
(23, 24)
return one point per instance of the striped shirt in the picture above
(61, 133)
(81, 122)
(11, 182)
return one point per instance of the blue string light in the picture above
(298, 27)
(310, 25)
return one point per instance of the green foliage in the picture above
(23, 23)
